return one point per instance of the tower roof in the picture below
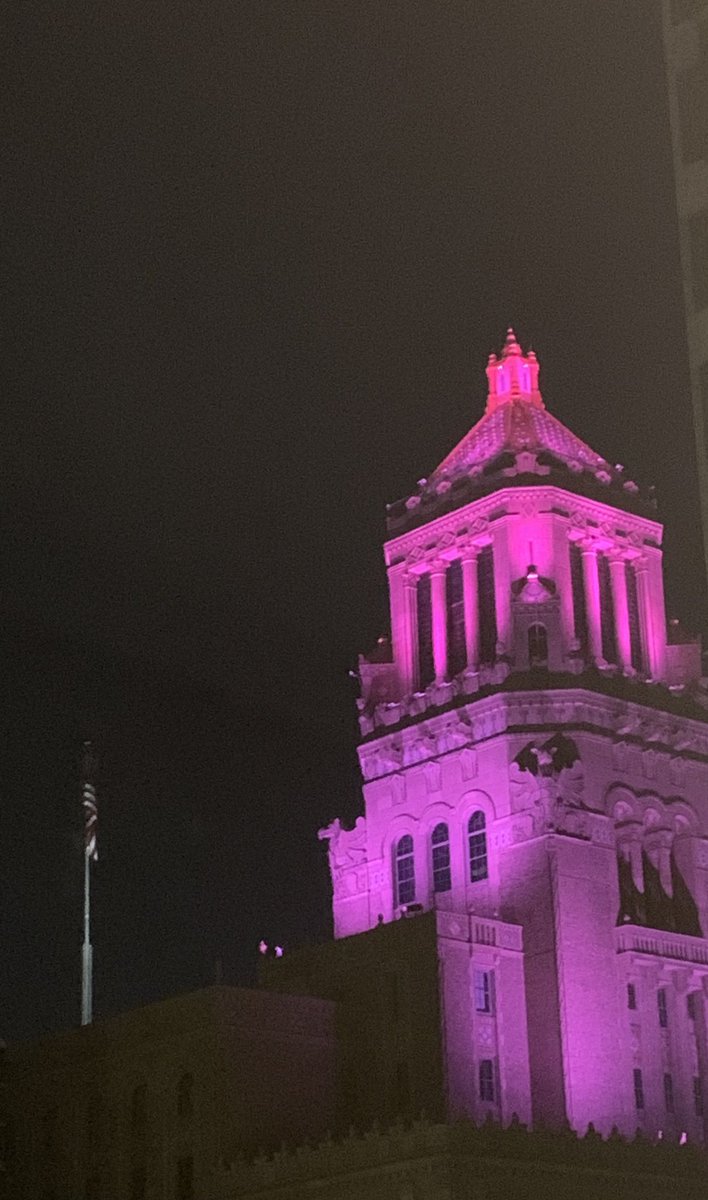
(516, 438)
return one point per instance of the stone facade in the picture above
(151, 1104)
(535, 761)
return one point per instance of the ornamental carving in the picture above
(347, 847)
(547, 777)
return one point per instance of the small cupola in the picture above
(513, 376)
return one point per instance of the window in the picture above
(483, 991)
(405, 871)
(631, 996)
(691, 1006)
(403, 1087)
(669, 1093)
(477, 846)
(185, 1096)
(184, 1184)
(638, 1089)
(426, 667)
(440, 841)
(138, 1183)
(487, 606)
(661, 1005)
(486, 1079)
(138, 1109)
(456, 649)
(538, 645)
(697, 1096)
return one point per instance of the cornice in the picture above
(474, 520)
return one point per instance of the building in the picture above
(534, 750)
(153, 1102)
(685, 24)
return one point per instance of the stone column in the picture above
(502, 589)
(410, 600)
(438, 602)
(591, 584)
(645, 622)
(629, 842)
(470, 597)
(618, 576)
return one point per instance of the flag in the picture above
(88, 802)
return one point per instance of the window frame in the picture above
(440, 848)
(477, 848)
(400, 857)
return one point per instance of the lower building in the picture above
(154, 1102)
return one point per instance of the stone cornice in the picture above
(569, 709)
(463, 525)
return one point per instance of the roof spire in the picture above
(513, 376)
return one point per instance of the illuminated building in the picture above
(535, 760)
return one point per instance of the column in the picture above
(438, 602)
(645, 616)
(470, 598)
(410, 664)
(618, 577)
(591, 584)
(502, 590)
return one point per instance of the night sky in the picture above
(256, 255)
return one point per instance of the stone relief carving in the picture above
(347, 847)
(469, 763)
(548, 779)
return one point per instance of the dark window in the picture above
(661, 1005)
(631, 996)
(477, 847)
(483, 991)
(487, 606)
(638, 1089)
(607, 611)
(486, 1079)
(456, 653)
(404, 871)
(697, 1096)
(538, 645)
(635, 636)
(698, 241)
(668, 1093)
(426, 667)
(92, 1191)
(138, 1109)
(440, 841)
(184, 1184)
(138, 1183)
(691, 1006)
(185, 1096)
(580, 620)
(403, 1087)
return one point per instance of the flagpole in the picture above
(88, 802)
(87, 949)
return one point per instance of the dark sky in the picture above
(256, 255)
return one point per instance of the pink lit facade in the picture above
(535, 761)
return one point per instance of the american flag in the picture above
(88, 802)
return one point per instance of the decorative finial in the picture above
(511, 346)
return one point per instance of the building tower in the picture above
(685, 24)
(534, 751)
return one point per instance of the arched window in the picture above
(185, 1096)
(538, 645)
(476, 830)
(404, 867)
(440, 842)
(138, 1108)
